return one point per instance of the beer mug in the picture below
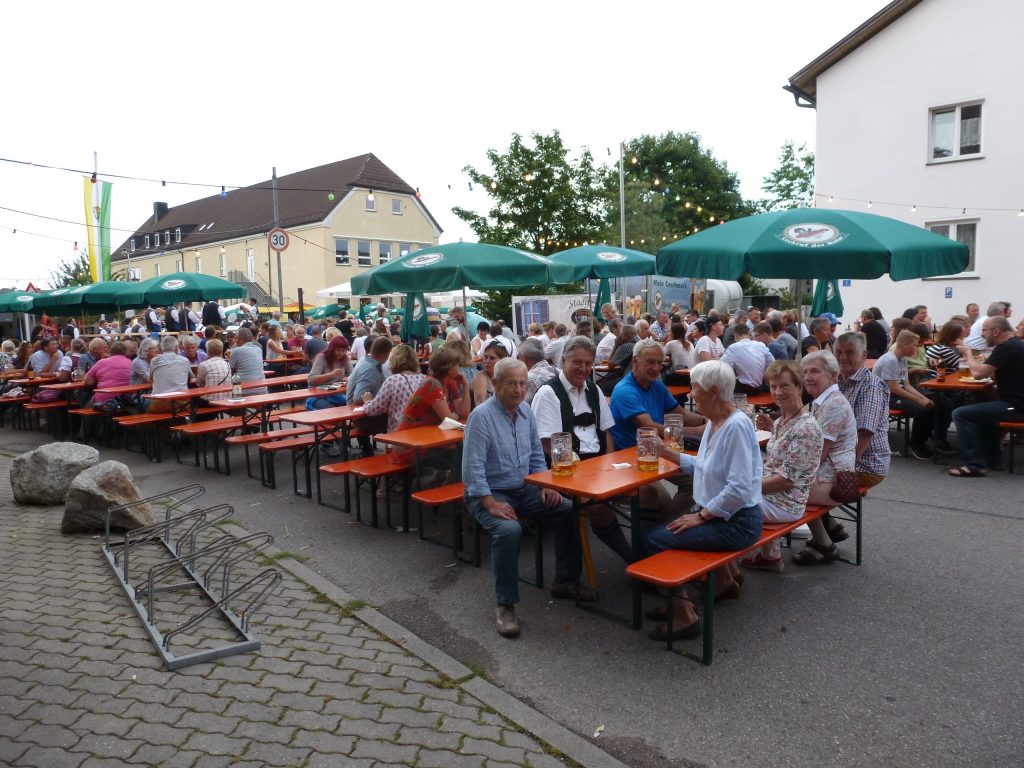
(647, 449)
(674, 431)
(561, 454)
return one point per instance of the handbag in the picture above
(845, 487)
(46, 396)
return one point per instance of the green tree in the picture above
(74, 271)
(540, 200)
(791, 184)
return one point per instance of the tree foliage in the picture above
(74, 271)
(791, 184)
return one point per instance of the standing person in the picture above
(726, 510)
(502, 446)
(188, 320)
(170, 319)
(247, 360)
(791, 459)
(212, 314)
(457, 322)
(977, 425)
(892, 369)
(152, 321)
(254, 310)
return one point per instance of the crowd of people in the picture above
(600, 382)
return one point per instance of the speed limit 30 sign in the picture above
(278, 239)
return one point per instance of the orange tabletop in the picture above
(325, 417)
(954, 382)
(678, 390)
(271, 398)
(65, 385)
(126, 389)
(188, 394)
(596, 478)
(16, 374)
(422, 437)
(34, 382)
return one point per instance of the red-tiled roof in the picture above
(302, 199)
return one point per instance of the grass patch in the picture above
(349, 609)
(269, 560)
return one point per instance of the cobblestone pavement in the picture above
(334, 684)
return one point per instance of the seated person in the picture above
(45, 361)
(247, 360)
(214, 371)
(190, 351)
(148, 349)
(749, 360)
(502, 446)
(114, 370)
(483, 383)
(892, 369)
(330, 367)
(168, 372)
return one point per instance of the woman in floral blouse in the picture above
(791, 461)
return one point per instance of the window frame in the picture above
(956, 109)
(367, 260)
(131, 245)
(199, 265)
(156, 239)
(223, 265)
(381, 258)
(971, 273)
(146, 242)
(157, 269)
(345, 259)
(371, 204)
(397, 209)
(177, 234)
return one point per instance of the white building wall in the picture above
(873, 145)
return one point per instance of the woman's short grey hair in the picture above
(169, 344)
(533, 350)
(8, 346)
(827, 359)
(579, 342)
(190, 341)
(145, 346)
(715, 373)
(644, 344)
(505, 366)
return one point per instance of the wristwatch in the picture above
(700, 514)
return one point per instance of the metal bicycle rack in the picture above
(188, 567)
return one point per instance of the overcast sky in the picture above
(220, 92)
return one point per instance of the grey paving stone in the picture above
(104, 745)
(288, 683)
(352, 709)
(155, 713)
(215, 744)
(367, 729)
(153, 754)
(429, 758)
(492, 750)
(545, 760)
(50, 757)
(145, 693)
(48, 660)
(394, 698)
(427, 737)
(325, 674)
(237, 675)
(160, 734)
(244, 692)
(431, 704)
(410, 717)
(181, 759)
(103, 724)
(276, 754)
(50, 714)
(208, 723)
(251, 711)
(102, 762)
(97, 704)
(470, 728)
(322, 742)
(432, 690)
(264, 732)
(333, 761)
(278, 666)
(384, 751)
(201, 702)
(11, 750)
(291, 700)
(364, 663)
(49, 735)
(44, 676)
(310, 721)
(101, 685)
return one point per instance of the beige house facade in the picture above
(341, 219)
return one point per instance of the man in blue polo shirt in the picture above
(641, 399)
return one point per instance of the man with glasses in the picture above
(977, 425)
(501, 447)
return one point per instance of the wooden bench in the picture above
(672, 568)
(58, 407)
(256, 438)
(1015, 428)
(371, 469)
(435, 498)
(7, 402)
(300, 447)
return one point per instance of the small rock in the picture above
(94, 491)
(42, 477)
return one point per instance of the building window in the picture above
(156, 240)
(384, 249)
(965, 232)
(157, 270)
(146, 241)
(534, 312)
(341, 252)
(364, 253)
(131, 245)
(956, 132)
(178, 265)
(177, 235)
(135, 273)
(404, 249)
(371, 203)
(167, 237)
(223, 264)
(396, 206)
(199, 264)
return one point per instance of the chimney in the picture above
(159, 211)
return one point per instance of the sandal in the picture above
(836, 532)
(816, 554)
(966, 471)
(759, 562)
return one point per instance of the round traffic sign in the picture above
(278, 239)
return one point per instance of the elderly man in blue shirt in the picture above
(501, 447)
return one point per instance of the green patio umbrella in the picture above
(827, 298)
(461, 265)
(187, 286)
(813, 243)
(599, 261)
(17, 301)
(327, 310)
(105, 296)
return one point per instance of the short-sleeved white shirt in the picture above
(548, 411)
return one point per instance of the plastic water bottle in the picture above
(236, 387)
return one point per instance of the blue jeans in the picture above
(718, 535)
(977, 427)
(319, 403)
(506, 536)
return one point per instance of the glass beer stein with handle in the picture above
(561, 454)
(647, 449)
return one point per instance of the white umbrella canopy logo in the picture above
(609, 256)
(423, 261)
(171, 285)
(812, 235)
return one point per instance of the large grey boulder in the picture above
(94, 491)
(42, 477)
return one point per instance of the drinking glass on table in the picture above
(647, 449)
(673, 434)
(561, 454)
